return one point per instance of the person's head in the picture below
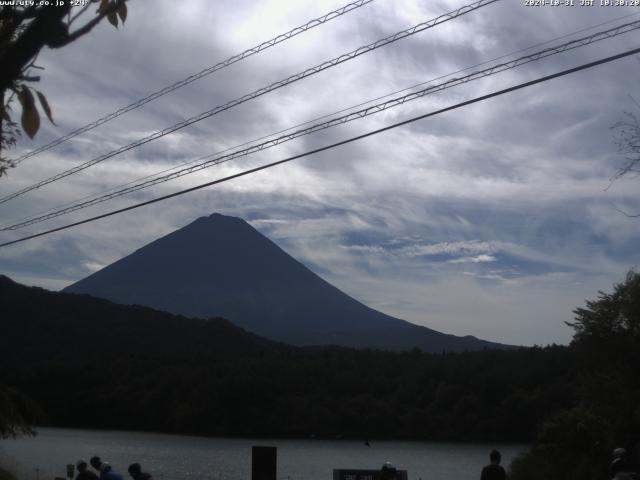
(81, 465)
(495, 457)
(95, 462)
(105, 467)
(135, 470)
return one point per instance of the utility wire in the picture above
(274, 86)
(217, 159)
(307, 122)
(197, 76)
(334, 145)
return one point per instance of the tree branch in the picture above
(626, 214)
(90, 25)
(82, 10)
(47, 29)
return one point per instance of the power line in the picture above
(217, 159)
(346, 109)
(334, 145)
(197, 76)
(274, 86)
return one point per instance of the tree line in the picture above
(91, 363)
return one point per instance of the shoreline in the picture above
(182, 457)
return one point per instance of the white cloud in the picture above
(93, 266)
(483, 258)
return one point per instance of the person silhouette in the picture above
(95, 462)
(388, 471)
(108, 473)
(83, 472)
(494, 470)
(135, 470)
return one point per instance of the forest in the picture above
(86, 362)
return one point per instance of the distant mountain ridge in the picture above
(38, 324)
(220, 266)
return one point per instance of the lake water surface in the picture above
(179, 457)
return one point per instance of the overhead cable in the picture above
(327, 115)
(333, 145)
(197, 76)
(216, 159)
(274, 86)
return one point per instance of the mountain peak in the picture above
(220, 216)
(218, 220)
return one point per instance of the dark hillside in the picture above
(91, 363)
(38, 324)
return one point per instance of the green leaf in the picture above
(30, 117)
(122, 12)
(45, 106)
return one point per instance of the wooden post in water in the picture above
(264, 463)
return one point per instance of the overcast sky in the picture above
(492, 220)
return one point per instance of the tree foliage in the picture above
(92, 363)
(25, 29)
(577, 443)
(611, 321)
(17, 413)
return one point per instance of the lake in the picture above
(180, 457)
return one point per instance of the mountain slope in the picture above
(221, 266)
(37, 324)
